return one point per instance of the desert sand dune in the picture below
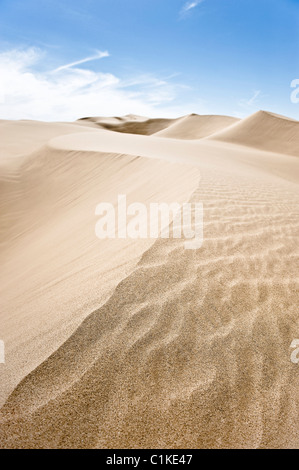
(23, 137)
(196, 127)
(265, 131)
(187, 127)
(126, 345)
(191, 152)
(101, 121)
(130, 124)
(48, 242)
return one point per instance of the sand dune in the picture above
(265, 131)
(187, 127)
(196, 127)
(129, 344)
(130, 124)
(23, 137)
(48, 244)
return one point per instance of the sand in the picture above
(140, 343)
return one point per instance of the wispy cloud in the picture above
(252, 101)
(190, 6)
(249, 105)
(73, 92)
(98, 55)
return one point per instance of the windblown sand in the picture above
(140, 343)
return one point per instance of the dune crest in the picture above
(47, 237)
(130, 124)
(121, 344)
(196, 127)
(265, 131)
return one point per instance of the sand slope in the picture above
(23, 137)
(48, 247)
(179, 349)
(265, 131)
(190, 127)
(130, 124)
(196, 127)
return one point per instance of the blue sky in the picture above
(64, 59)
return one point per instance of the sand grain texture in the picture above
(143, 344)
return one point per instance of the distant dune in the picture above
(265, 131)
(186, 127)
(131, 124)
(122, 343)
(196, 127)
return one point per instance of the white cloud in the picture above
(252, 100)
(247, 106)
(190, 5)
(72, 92)
(250, 103)
(99, 55)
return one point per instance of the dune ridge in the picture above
(169, 347)
(265, 131)
(49, 248)
(196, 127)
(130, 124)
